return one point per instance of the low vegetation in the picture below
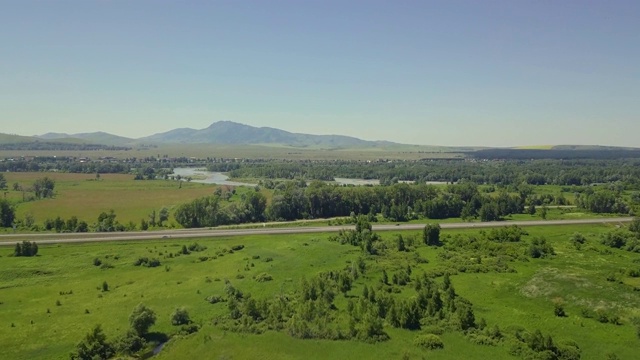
(434, 293)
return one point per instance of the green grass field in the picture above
(399, 152)
(33, 326)
(83, 196)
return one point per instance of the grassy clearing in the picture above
(31, 287)
(83, 196)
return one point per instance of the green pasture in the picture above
(271, 151)
(84, 196)
(33, 326)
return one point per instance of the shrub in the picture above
(141, 261)
(180, 317)
(633, 272)
(94, 346)
(27, 248)
(189, 329)
(539, 248)
(428, 341)
(146, 262)
(559, 311)
(237, 247)
(615, 239)
(577, 239)
(197, 247)
(129, 343)
(263, 277)
(214, 299)
(97, 262)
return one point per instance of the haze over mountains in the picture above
(232, 133)
(225, 132)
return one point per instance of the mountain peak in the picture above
(233, 133)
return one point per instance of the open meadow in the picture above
(49, 302)
(84, 196)
(268, 151)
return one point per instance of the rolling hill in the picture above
(99, 137)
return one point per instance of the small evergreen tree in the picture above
(431, 235)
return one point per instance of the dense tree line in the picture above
(561, 154)
(604, 201)
(511, 172)
(214, 210)
(565, 172)
(65, 165)
(89, 166)
(59, 146)
(398, 202)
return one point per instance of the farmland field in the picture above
(83, 196)
(49, 302)
(271, 151)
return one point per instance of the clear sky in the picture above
(494, 73)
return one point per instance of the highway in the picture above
(53, 238)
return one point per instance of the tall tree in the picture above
(94, 346)
(163, 216)
(141, 319)
(43, 187)
(431, 235)
(7, 213)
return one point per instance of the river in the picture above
(207, 177)
(218, 178)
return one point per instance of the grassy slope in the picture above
(30, 286)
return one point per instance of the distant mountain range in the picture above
(228, 133)
(100, 137)
(232, 133)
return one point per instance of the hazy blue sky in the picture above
(447, 72)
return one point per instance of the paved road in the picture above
(48, 238)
